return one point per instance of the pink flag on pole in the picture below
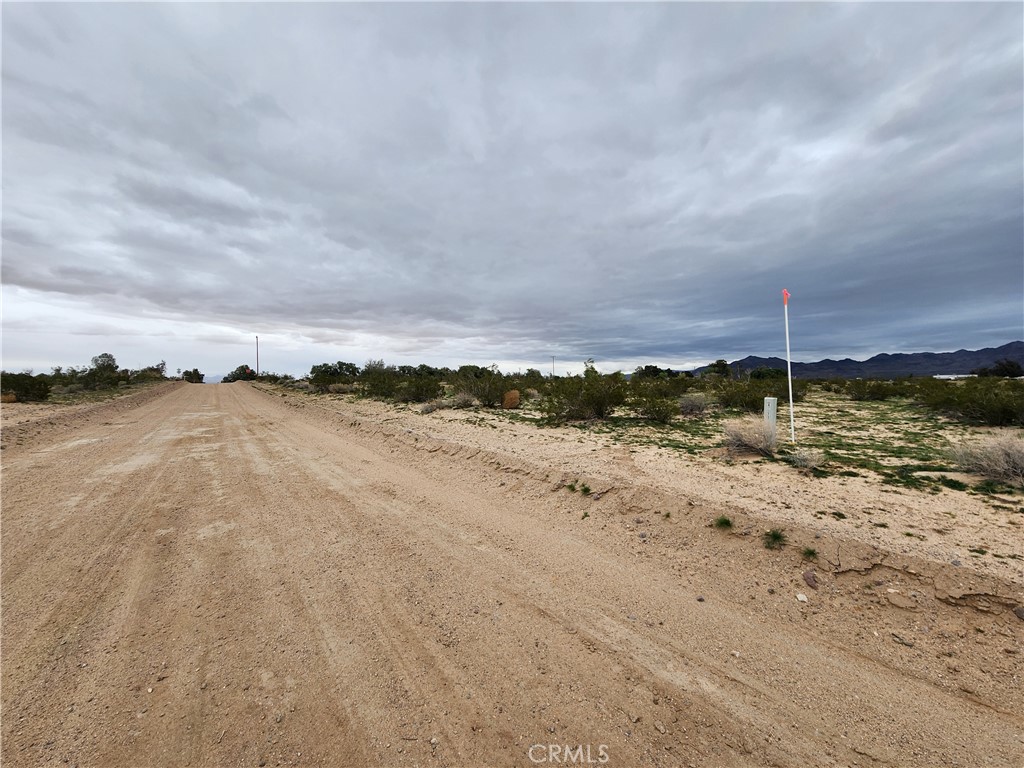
(785, 297)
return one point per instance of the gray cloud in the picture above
(628, 182)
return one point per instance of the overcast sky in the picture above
(502, 183)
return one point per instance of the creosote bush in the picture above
(992, 401)
(591, 396)
(750, 395)
(751, 433)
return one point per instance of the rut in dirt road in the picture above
(215, 578)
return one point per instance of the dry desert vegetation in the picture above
(239, 574)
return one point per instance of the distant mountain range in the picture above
(881, 366)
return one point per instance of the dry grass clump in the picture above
(751, 433)
(459, 400)
(462, 400)
(807, 458)
(693, 404)
(342, 389)
(998, 458)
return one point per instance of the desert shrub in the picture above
(860, 389)
(807, 458)
(488, 385)
(463, 400)
(591, 396)
(510, 400)
(750, 395)
(417, 389)
(241, 373)
(25, 386)
(993, 401)
(270, 377)
(379, 380)
(661, 410)
(322, 376)
(343, 389)
(693, 404)
(652, 399)
(532, 379)
(998, 458)
(719, 368)
(751, 433)
(434, 405)
(1005, 368)
(765, 372)
(837, 385)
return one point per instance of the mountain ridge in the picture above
(891, 364)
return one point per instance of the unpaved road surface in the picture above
(221, 576)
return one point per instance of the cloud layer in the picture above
(478, 183)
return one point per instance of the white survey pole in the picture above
(789, 367)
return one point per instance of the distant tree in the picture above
(105, 362)
(765, 372)
(193, 377)
(323, 375)
(241, 373)
(379, 380)
(721, 367)
(1007, 369)
(654, 372)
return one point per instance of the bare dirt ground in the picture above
(219, 575)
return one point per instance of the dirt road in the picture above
(223, 576)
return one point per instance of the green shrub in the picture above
(25, 386)
(591, 396)
(488, 385)
(833, 385)
(652, 399)
(379, 380)
(860, 389)
(417, 389)
(750, 395)
(241, 373)
(993, 401)
(1005, 368)
(763, 373)
(322, 376)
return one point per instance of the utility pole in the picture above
(257, 355)
(552, 366)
